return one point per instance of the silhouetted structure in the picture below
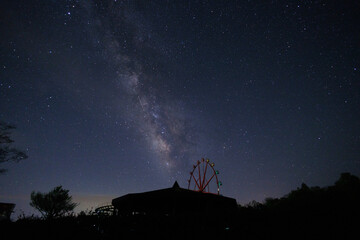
(106, 210)
(5, 211)
(174, 201)
(174, 213)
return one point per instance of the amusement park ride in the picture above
(203, 190)
(203, 178)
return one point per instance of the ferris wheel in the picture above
(204, 178)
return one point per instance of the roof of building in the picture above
(174, 199)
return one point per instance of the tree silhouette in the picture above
(8, 153)
(53, 204)
(347, 180)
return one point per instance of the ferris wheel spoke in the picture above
(207, 183)
(196, 181)
(200, 188)
(203, 180)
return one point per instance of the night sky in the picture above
(114, 97)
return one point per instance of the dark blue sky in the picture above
(112, 97)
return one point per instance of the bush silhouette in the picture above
(53, 204)
(305, 213)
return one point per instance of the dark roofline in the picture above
(167, 191)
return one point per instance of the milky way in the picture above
(111, 97)
(160, 119)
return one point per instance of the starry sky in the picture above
(114, 97)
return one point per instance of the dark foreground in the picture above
(306, 213)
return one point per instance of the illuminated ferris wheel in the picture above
(203, 177)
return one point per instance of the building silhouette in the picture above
(175, 209)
